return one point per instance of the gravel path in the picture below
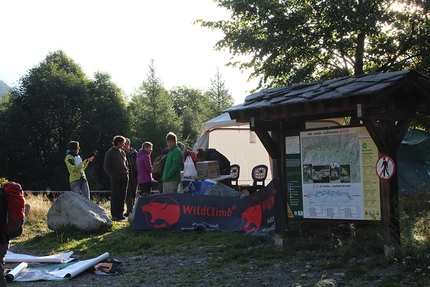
(192, 270)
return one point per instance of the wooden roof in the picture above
(385, 104)
(395, 96)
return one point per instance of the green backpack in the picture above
(158, 165)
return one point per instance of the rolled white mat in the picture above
(10, 276)
(79, 267)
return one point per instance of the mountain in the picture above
(3, 88)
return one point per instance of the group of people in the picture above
(130, 170)
(126, 167)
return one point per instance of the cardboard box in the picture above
(207, 169)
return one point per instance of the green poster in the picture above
(294, 176)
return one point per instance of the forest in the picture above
(55, 102)
(278, 42)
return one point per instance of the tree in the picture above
(192, 109)
(45, 107)
(52, 105)
(4, 100)
(218, 95)
(309, 40)
(108, 116)
(151, 112)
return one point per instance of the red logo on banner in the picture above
(161, 212)
(251, 217)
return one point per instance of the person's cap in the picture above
(182, 147)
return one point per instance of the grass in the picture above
(39, 239)
(332, 244)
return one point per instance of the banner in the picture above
(255, 214)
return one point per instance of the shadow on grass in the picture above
(120, 240)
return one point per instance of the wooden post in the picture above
(387, 136)
(389, 214)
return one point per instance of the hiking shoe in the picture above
(118, 218)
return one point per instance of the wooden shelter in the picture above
(385, 104)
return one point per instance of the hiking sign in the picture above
(385, 167)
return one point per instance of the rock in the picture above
(220, 189)
(132, 213)
(74, 209)
(327, 282)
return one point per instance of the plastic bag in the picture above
(189, 169)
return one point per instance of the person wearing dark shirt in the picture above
(115, 165)
(131, 155)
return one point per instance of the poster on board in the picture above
(331, 175)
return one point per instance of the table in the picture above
(221, 177)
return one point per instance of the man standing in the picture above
(173, 166)
(115, 165)
(131, 154)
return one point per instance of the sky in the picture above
(120, 38)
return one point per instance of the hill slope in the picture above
(3, 88)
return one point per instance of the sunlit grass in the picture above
(38, 239)
(421, 229)
(39, 207)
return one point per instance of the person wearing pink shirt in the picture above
(144, 168)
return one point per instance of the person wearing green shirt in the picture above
(173, 166)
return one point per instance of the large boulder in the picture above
(72, 209)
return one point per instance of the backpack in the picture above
(12, 194)
(110, 267)
(158, 165)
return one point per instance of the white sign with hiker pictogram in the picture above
(385, 167)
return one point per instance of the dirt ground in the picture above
(199, 270)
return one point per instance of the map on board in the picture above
(292, 145)
(332, 157)
(331, 174)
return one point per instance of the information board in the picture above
(331, 174)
